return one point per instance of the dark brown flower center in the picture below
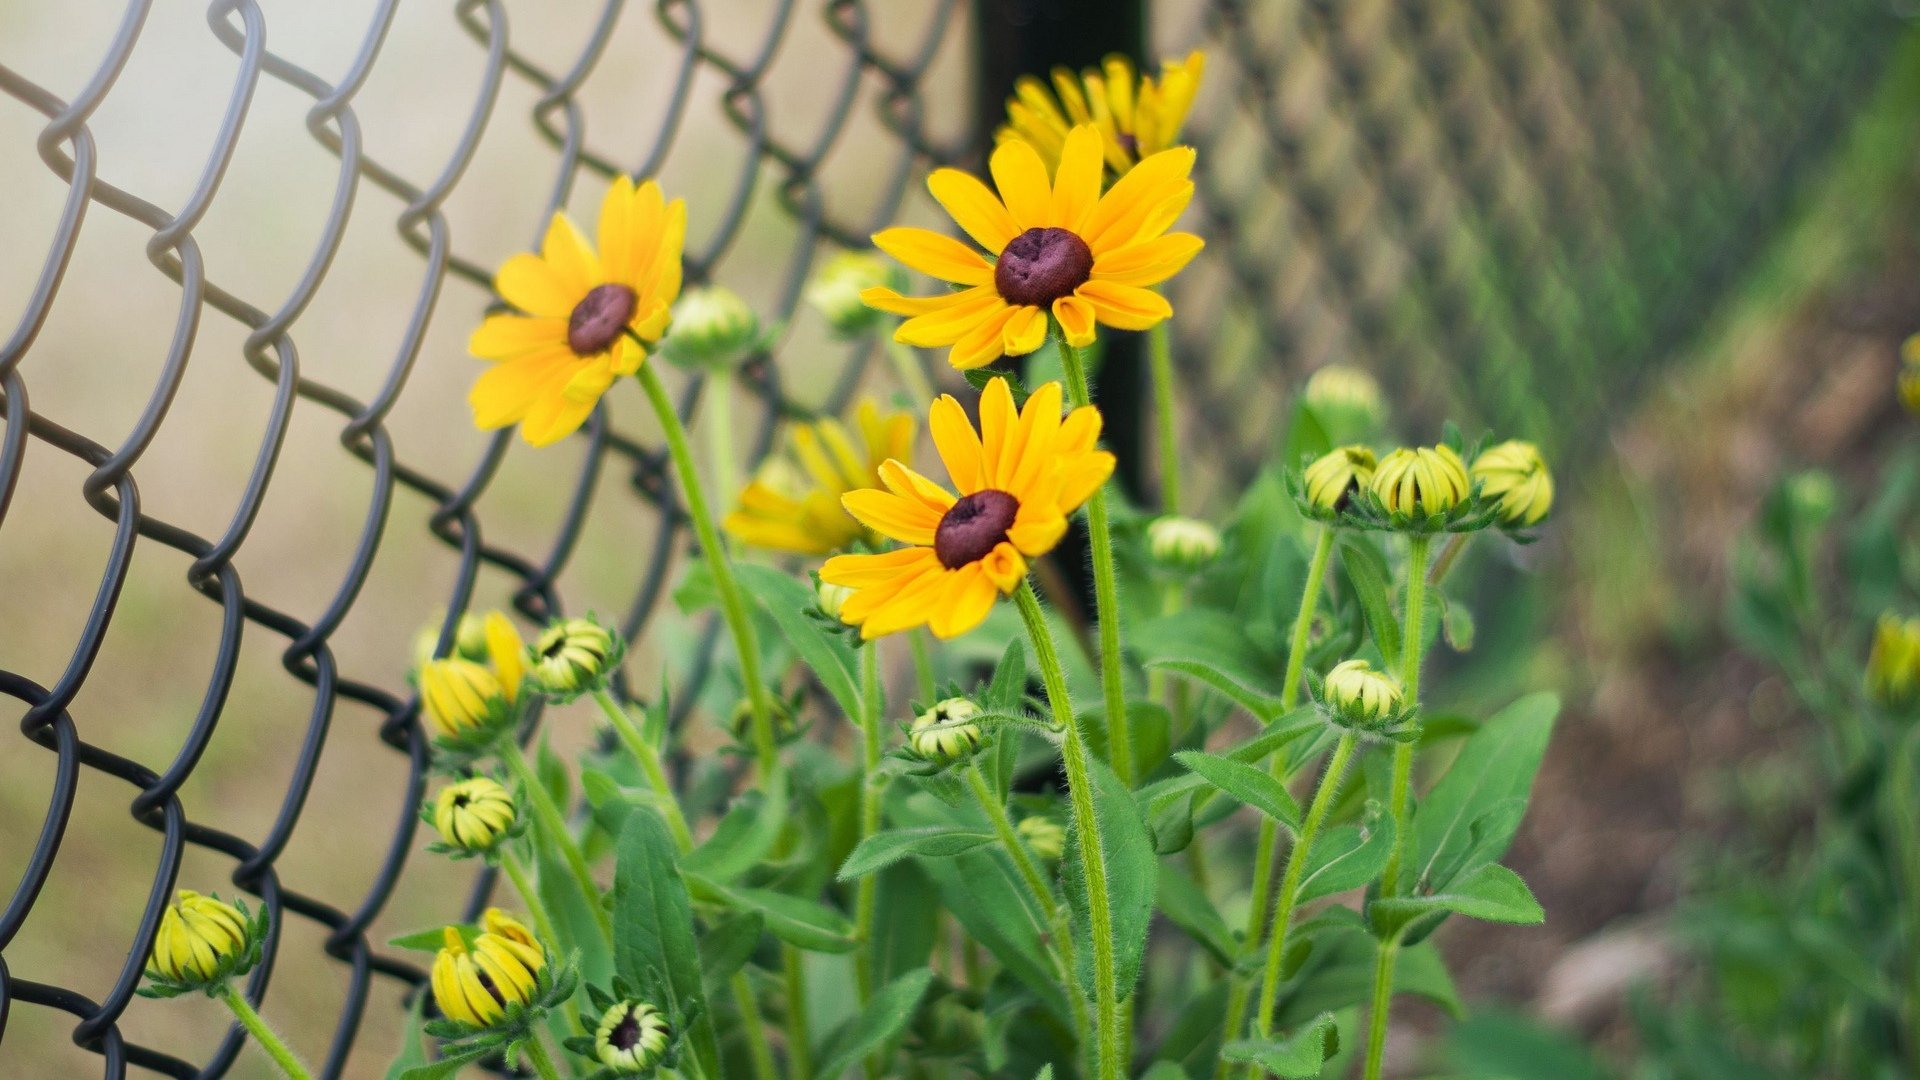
(974, 526)
(625, 1034)
(1042, 265)
(599, 319)
(486, 983)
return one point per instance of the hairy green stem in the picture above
(1109, 1031)
(537, 1057)
(1382, 1002)
(870, 721)
(1106, 593)
(268, 1039)
(755, 1026)
(922, 664)
(799, 1043)
(732, 604)
(542, 921)
(1160, 359)
(719, 392)
(648, 756)
(547, 815)
(1010, 839)
(1284, 900)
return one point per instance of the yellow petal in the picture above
(1148, 262)
(1025, 331)
(1082, 478)
(974, 208)
(912, 607)
(1076, 320)
(1126, 205)
(964, 603)
(504, 393)
(1125, 307)
(569, 256)
(957, 443)
(982, 344)
(866, 571)
(1022, 179)
(617, 233)
(998, 422)
(907, 520)
(1004, 567)
(1076, 186)
(528, 283)
(1039, 536)
(502, 337)
(907, 484)
(1034, 441)
(950, 324)
(893, 303)
(932, 253)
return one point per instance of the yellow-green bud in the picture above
(1360, 694)
(473, 814)
(1420, 481)
(201, 940)
(1515, 477)
(1044, 836)
(740, 721)
(462, 699)
(632, 1038)
(830, 598)
(835, 291)
(469, 641)
(575, 656)
(946, 733)
(476, 986)
(1813, 496)
(1334, 477)
(712, 328)
(1909, 381)
(1338, 388)
(1893, 665)
(1182, 543)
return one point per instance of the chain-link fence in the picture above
(1506, 208)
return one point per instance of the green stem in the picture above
(537, 1057)
(758, 1050)
(551, 821)
(648, 756)
(719, 418)
(923, 664)
(731, 603)
(906, 363)
(1382, 1002)
(871, 717)
(1160, 359)
(1402, 790)
(1266, 846)
(1010, 839)
(1283, 902)
(542, 921)
(1449, 555)
(1093, 855)
(799, 1044)
(262, 1034)
(1106, 593)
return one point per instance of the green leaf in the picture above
(933, 841)
(727, 947)
(1366, 572)
(906, 922)
(653, 923)
(1297, 1057)
(1264, 707)
(413, 1052)
(1007, 691)
(1346, 857)
(609, 799)
(1456, 621)
(1338, 971)
(431, 940)
(745, 836)
(1131, 869)
(827, 653)
(884, 1017)
(1215, 638)
(1493, 893)
(1495, 764)
(552, 773)
(1252, 786)
(799, 922)
(1187, 906)
(447, 1066)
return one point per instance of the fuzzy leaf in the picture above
(1187, 906)
(1252, 786)
(745, 836)
(1366, 571)
(1346, 857)
(787, 600)
(1493, 893)
(1297, 1057)
(1131, 869)
(726, 948)
(933, 841)
(1264, 707)
(653, 922)
(799, 922)
(884, 1017)
(1495, 764)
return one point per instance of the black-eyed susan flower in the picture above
(793, 503)
(1043, 836)
(202, 941)
(1515, 477)
(584, 314)
(480, 985)
(632, 1038)
(946, 732)
(1137, 115)
(1182, 544)
(835, 291)
(1361, 695)
(1893, 664)
(1060, 247)
(1334, 477)
(1018, 478)
(1420, 482)
(575, 656)
(474, 815)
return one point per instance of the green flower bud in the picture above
(1182, 543)
(1909, 381)
(835, 291)
(1334, 477)
(1362, 696)
(740, 721)
(1346, 399)
(713, 328)
(632, 1038)
(831, 598)
(469, 641)
(476, 986)
(1043, 836)
(473, 814)
(575, 656)
(462, 700)
(946, 733)
(202, 941)
(1515, 477)
(1893, 665)
(1421, 482)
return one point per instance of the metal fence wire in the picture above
(1508, 208)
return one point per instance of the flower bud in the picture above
(1345, 399)
(469, 641)
(740, 721)
(1182, 543)
(1515, 477)
(1361, 695)
(946, 733)
(575, 656)
(1044, 836)
(201, 941)
(830, 598)
(1909, 381)
(632, 1038)
(1334, 477)
(835, 291)
(713, 328)
(1420, 482)
(476, 986)
(463, 700)
(1893, 665)
(474, 814)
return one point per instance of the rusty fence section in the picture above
(1506, 207)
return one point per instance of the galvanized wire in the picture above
(1513, 207)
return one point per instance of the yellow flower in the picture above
(794, 502)
(1515, 476)
(200, 939)
(473, 814)
(1893, 667)
(1333, 477)
(1137, 115)
(462, 698)
(475, 986)
(1018, 479)
(579, 312)
(1421, 481)
(1059, 247)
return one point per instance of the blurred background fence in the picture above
(246, 242)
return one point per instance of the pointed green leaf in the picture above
(1264, 707)
(799, 922)
(933, 841)
(884, 1017)
(745, 836)
(1492, 892)
(1131, 869)
(1297, 1057)
(1252, 786)
(653, 923)
(1495, 764)
(1187, 906)
(1366, 572)
(1346, 857)
(787, 600)
(727, 947)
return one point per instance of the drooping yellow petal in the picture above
(957, 443)
(984, 343)
(1076, 320)
(964, 604)
(1025, 331)
(865, 571)
(503, 337)
(913, 606)
(954, 322)
(934, 254)
(977, 210)
(1038, 536)
(505, 392)
(893, 303)
(1125, 307)
(1022, 179)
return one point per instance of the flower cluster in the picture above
(1427, 489)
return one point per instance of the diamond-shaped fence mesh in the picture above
(247, 242)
